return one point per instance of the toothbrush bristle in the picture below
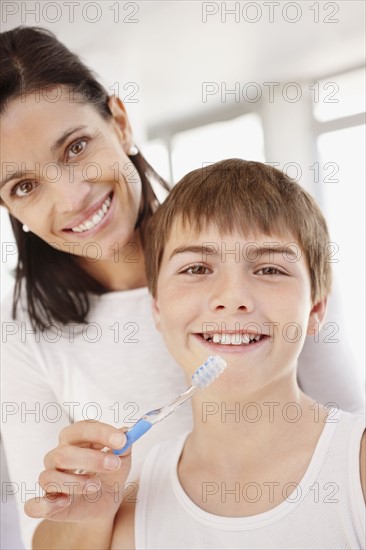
(208, 372)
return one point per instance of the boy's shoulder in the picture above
(355, 427)
(124, 525)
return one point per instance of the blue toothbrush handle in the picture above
(134, 433)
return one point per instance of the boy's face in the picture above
(215, 292)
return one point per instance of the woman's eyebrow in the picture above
(64, 137)
(20, 173)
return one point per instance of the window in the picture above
(241, 137)
(339, 96)
(156, 153)
(341, 147)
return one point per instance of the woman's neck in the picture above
(124, 271)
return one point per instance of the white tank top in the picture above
(325, 511)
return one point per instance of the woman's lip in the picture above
(88, 213)
(230, 348)
(98, 227)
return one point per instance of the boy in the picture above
(237, 266)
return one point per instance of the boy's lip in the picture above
(236, 331)
(218, 348)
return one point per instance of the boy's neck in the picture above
(257, 423)
(227, 451)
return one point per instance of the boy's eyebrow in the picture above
(272, 249)
(213, 249)
(53, 149)
(203, 249)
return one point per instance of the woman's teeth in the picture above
(231, 339)
(95, 219)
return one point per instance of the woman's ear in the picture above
(316, 317)
(156, 313)
(122, 123)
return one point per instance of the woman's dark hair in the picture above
(56, 286)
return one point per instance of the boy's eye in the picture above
(77, 147)
(270, 270)
(196, 270)
(23, 188)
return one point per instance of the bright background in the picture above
(278, 82)
(196, 81)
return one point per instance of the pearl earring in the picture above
(25, 228)
(133, 151)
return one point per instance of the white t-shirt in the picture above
(325, 510)
(113, 370)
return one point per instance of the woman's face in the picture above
(66, 173)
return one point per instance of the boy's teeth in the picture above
(95, 220)
(235, 339)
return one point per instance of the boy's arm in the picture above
(363, 464)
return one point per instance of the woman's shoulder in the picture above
(137, 299)
(128, 295)
(7, 306)
(363, 464)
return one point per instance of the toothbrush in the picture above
(207, 373)
(201, 379)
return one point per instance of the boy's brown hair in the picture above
(252, 198)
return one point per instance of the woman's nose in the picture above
(231, 293)
(69, 194)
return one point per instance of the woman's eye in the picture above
(196, 270)
(23, 188)
(270, 270)
(77, 147)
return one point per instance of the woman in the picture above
(79, 338)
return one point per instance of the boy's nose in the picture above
(231, 294)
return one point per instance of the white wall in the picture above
(8, 253)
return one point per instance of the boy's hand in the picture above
(71, 497)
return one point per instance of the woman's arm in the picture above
(115, 531)
(84, 504)
(123, 537)
(27, 430)
(31, 424)
(95, 535)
